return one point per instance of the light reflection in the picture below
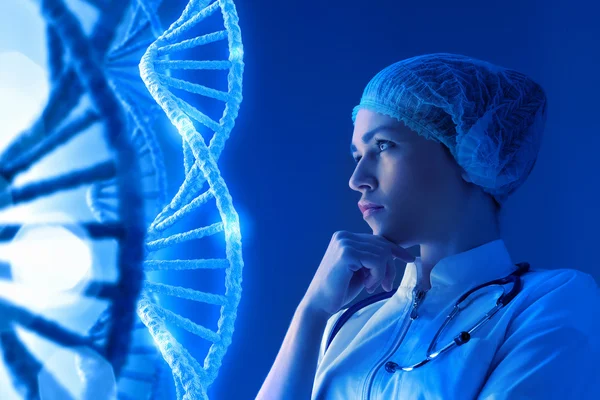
(23, 92)
(50, 264)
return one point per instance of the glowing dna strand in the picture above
(192, 379)
(63, 123)
(144, 372)
(121, 66)
(123, 76)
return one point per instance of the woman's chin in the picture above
(379, 230)
(400, 238)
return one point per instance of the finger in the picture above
(375, 264)
(402, 254)
(362, 276)
(376, 267)
(378, 253)
(372, 247)
(355, 264)
(398, 251)
(362, 267)
(378, 248)
(390, 275)
(387, 281)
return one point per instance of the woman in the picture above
(441, 140)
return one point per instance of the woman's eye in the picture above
(382, 142)
(378, 143)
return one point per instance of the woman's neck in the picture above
(466, 235)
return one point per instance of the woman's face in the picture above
(416, 180)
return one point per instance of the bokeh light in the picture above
(49, 257)
(80, 373)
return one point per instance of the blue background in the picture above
(287, 162)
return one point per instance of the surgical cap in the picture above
(489, 117)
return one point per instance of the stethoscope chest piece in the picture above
(462, 338)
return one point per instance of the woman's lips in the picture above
(370, 211)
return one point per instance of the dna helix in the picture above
(105, 195)
(140, 26)
(158, 71)
(75, 72)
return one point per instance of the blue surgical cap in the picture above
(489, 117)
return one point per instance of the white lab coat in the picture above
(545, 344)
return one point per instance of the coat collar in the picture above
(478, 265)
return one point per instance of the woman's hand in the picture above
(353, 261)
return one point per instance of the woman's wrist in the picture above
(307, 310)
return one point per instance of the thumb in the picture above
(403, 254)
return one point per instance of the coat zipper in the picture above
(418, 296)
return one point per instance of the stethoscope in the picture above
(460, 339)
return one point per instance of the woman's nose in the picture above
(362, 179)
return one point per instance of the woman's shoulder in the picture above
(540, 282)
(565, 297)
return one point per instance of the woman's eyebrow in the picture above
(369, 135)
